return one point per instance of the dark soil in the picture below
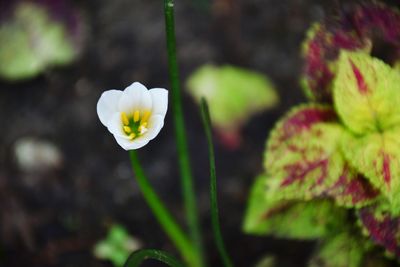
(53, 217)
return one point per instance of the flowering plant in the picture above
(134, 117)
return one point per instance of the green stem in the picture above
(213, 187)
(188, 192)
(162, 215)
(137, 257)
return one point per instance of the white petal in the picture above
(135, 97)
(130, 144)
(108, 105)
(159, 97)
(115, 125)
(156, 122)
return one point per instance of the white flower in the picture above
(134, 116)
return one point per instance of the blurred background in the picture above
(65, 184)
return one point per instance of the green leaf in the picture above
(233, 94)
(267, 261)
(377, 156)
(117, 246)
(288, 219)
(302, 157)
(366, 93)
(259, 202)
(341, 250)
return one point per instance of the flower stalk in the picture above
(181, 140)
(164, 218)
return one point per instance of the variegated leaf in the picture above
(366, 93)
(302, 157)
(377, 156)
(303, 160)
(382, 227)
(267, 215)
(359, 26)
(347, 249)
(320, 51)
(353, 190)
(341, 250)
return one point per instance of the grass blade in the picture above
(137, 257)
(205, 114)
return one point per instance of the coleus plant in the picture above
(358, 27)
(333, 165)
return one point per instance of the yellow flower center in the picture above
(135, 124)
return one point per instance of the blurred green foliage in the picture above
(31, 41)
(117, 246)
(233, 94)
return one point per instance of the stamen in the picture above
(142, 129)
(136, 116)
(136, 124)
(132, 136)
(124, 118)
(145, 117)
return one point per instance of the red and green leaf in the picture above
(320, 51)
(378, 19)
(341, 250)
(366, 93)
(267, 215)
(382, 227)
(302, 157)
(357, 27)
(303, 160)
(377, 157)
(346, 250)
(352, 189)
